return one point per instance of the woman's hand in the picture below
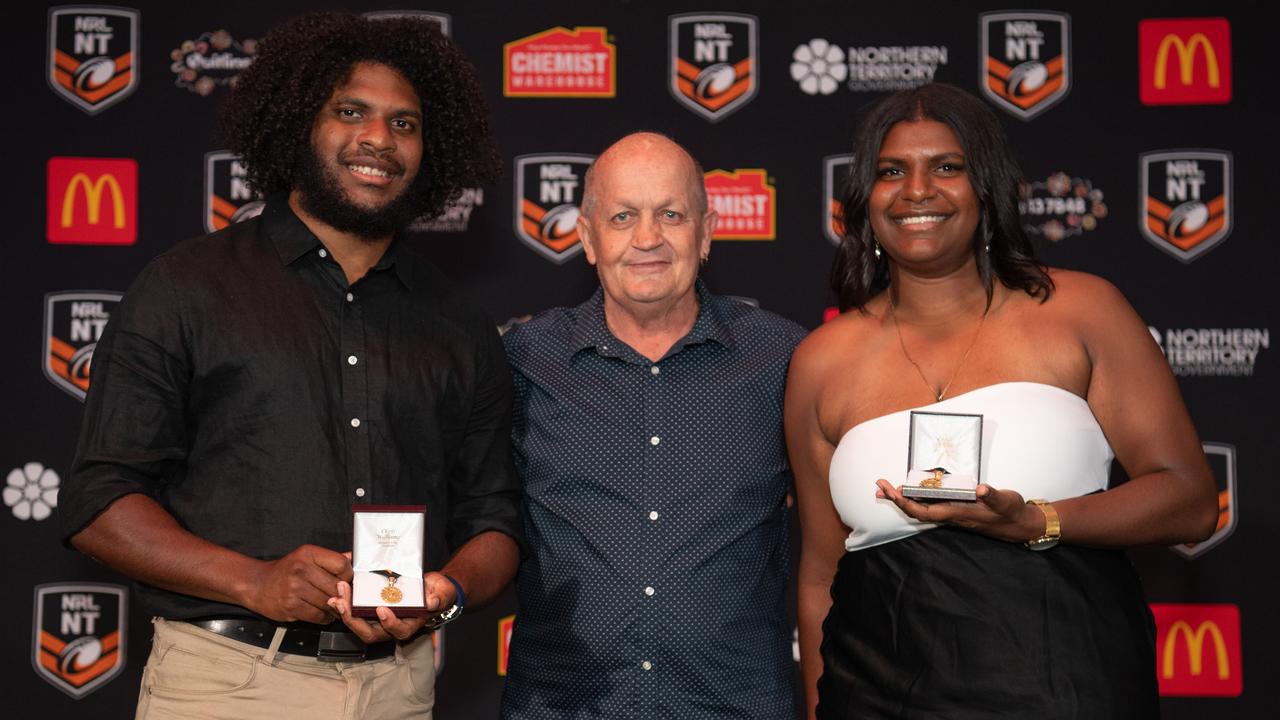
(1001, 514)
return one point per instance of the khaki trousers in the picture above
(193, 673)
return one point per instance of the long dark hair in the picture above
(857, 276)
(270, 113)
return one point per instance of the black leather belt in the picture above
(316, 642)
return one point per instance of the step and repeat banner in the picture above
(1142, 132)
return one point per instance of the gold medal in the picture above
(391, 593)
(936, 480)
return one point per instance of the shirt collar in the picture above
(591, 331)
(293, 239)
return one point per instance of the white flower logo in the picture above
(32, 491)
(819, 67)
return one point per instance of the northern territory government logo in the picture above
(548, 190)
(835, 187)
(1061, 206)
(577, 63)
(227, 197)
(78, 635)
(1025, 63)
(73, 324)
(714, 66)
(1222, 460)
(747, 203)
(212, 60)
(1185, 200)
(92, 49)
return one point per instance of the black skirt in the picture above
(948, 623)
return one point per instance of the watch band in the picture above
(1052, 527)
(451, 613)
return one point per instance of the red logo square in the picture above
(1198, 650)
(92, 201)
(1184, 61)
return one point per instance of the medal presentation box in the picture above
(944, 456)
(387, 557)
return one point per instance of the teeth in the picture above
(366, 170)
(918, 219)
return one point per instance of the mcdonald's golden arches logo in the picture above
(92, 201)
(1198, 650)
(1184, 61)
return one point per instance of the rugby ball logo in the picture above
(713, 62)
(548, 190)
(1025, 64)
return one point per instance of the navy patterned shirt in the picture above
(655, 584)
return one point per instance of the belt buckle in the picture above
(339, 647)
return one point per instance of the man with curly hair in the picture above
(257, 382)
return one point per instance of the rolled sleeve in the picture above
(133, 433)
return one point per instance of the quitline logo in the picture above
(1184, 61)
(92, 201)
(92, 49)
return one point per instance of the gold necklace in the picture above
(898, 328)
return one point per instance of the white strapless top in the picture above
(1038, 439)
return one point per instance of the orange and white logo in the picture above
(1185, 200)
(1222, 459)
(92, 49)
(1025, 60)
(835, 187)
(73, 324)
(92, 201)
(505, 625)
(577, 63)
(714, 62)
(1198, 650)
(227, 197)
(548, 191)
(747, 203)
(78, 635)
(1184, 61)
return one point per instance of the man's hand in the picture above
(298, 586)
(437, 591)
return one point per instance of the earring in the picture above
(703, 260)
(876, 249)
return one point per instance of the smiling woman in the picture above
(911, 608)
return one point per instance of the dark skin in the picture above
(374, 122)
(1086, 339)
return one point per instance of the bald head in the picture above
(643, 147)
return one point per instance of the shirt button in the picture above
(655, 440)
(350, 297)
(649, 591)
(355, 422)
(646, 665)
(653, 514)
(359, 492)
(654, 370)
(351, 360)
(324, 253)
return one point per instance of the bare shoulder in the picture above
(1087, 301)
(833, 343)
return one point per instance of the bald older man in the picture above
(648, 430)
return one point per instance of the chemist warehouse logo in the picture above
(578, 63)
(1185, 200)
(1198, 650)
(227, 197)
(78, 635)
(73, 324)
(835, 183)
(548, 190)
(91, 55)
(747, 203)
(714, 65)
(1026, 60)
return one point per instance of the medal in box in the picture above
(387, 557)
(944, 457)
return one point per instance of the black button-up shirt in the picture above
(257, 396)
(655, 584)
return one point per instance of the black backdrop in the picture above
(1210, 312)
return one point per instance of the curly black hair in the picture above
(274, 104)
(1000, 245)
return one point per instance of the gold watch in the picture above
(1052, 527)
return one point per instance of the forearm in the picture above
(1161, 508)
(484, 566)
(813, 604)
(139, 538)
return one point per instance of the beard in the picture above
(321, 196)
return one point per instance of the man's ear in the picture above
(584, 237)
